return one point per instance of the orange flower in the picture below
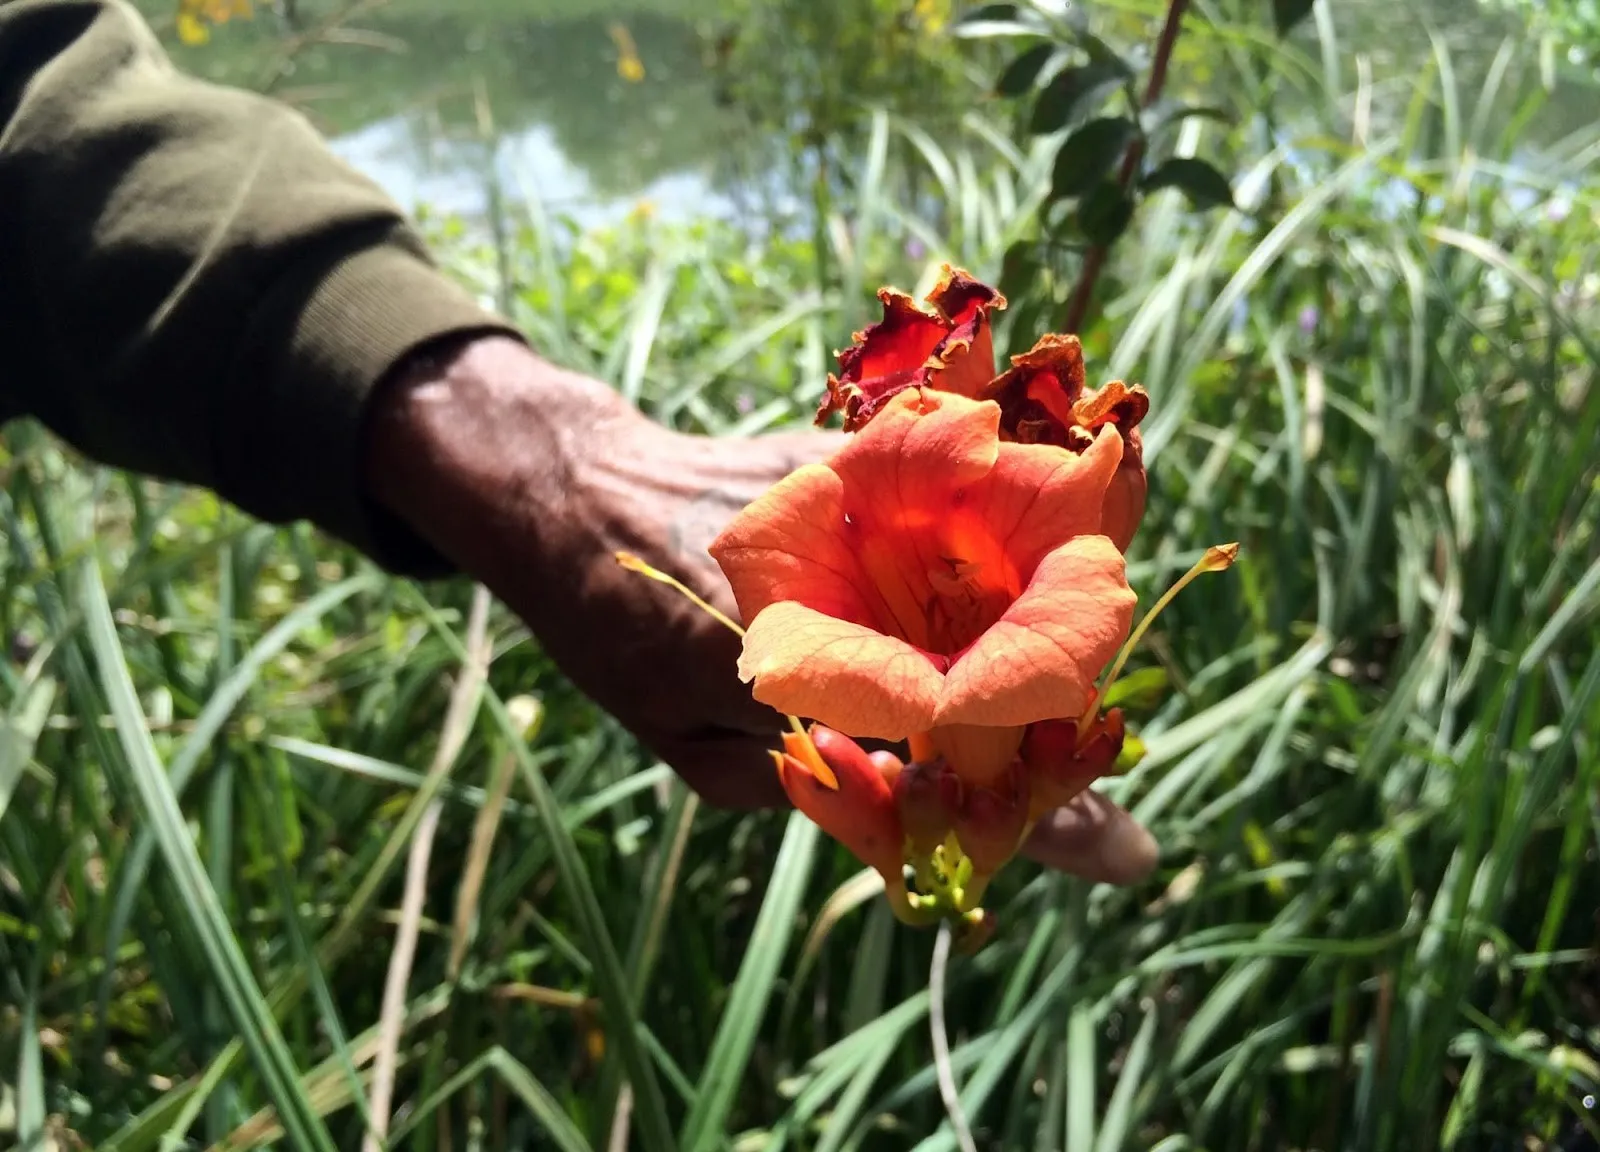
(1043, 398)
(953, 577)
(931, 579)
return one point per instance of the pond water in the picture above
(596, 105)
(589, 104)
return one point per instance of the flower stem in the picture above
(941, 1042)
(1094, 260)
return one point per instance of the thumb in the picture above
(1095, 839)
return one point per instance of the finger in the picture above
(726, 769)
(797, 449)
(1095, 839)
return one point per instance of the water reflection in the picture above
(407, 91)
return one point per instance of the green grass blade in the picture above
(543, 1106)
(705, 1128)
(201, 909)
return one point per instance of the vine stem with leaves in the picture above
(1094, 260)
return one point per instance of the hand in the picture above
(531, 479)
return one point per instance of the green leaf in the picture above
(1140, 689)
(1166, 117)
(1105, 214)
(19, 733)
(1199, 181)
(987, 12)
(201, 910)
(1287, 13)
(622, 1025)
(729, 1061)
(202, 739)
(1121, 1116)
(1102, 53)
(994, 20)
(539, 1101)
(1088, 155)
(1018, 269)
(1019, 75)
(1070, 90)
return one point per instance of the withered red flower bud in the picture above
(1044, 400)
(948, 347)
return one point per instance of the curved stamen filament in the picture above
(1217, 558)
(635, 564)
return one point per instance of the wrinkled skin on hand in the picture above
(532, 479)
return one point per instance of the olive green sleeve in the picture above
(192, 285)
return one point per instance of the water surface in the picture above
(596, 105)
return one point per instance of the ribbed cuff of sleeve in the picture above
(323, 346)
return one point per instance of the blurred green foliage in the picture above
(1574, 25)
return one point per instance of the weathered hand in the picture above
(659, 664)
(532, 479)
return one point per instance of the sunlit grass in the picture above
(1372, 765)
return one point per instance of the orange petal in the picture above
(1124, 503)
(1040, 660)
(980, 755)
(789, 544)
(922, 447)
(1040, 496)
(860, 813)
(844, 675)
(906, 477)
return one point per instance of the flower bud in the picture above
(856, 808)
(1061, 761)
(920, 800)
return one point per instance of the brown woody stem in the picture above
(1094, 260)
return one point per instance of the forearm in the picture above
(194, 286)
(480, 447)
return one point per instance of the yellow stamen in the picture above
(634, 564)
(1217, 558)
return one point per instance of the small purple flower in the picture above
(915, 249)
(1308, 319)
(745, 403)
